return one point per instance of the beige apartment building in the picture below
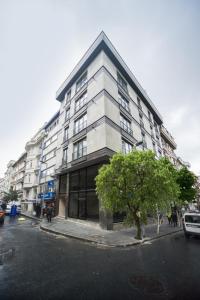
(169, 145)
(18, 174)
(103, 110)
(32, 170)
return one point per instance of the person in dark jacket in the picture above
(49, 213)
(174, 218)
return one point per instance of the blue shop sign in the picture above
(50, 183)
(47, 196)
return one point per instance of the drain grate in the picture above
(147, 284)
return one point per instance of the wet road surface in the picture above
(38, 265)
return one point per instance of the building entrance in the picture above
(83, 201)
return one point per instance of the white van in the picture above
(191, 223)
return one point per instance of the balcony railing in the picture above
(80, 127)
(80, 153)
(126, 128)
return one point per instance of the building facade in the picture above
(47, 178)
(2, 187)
(8, 178)
(103, 110)
(18, 175)
(32, 170)
(168, 145)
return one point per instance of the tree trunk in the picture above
(158, 223)
(139, 228)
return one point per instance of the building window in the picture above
(49, 155)
(123, 102)
(66, 133)
(122, 82)
(65, 152)
(125, 124)
(141, 123)
(154, 147)
(81, 82)
(144, 140)
(68, 96)
(126, 147)
(80, 149)
(149, 115)
(80, 123)
(81, 101)
(67, 116)
(139, 103)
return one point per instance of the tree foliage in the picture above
(187, 182)
(12, 195)
(137, 183)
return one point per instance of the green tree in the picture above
(11, 195)
(136, 183)
(187, 182)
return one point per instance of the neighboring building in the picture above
(47, 178)
(32, 170)
(180, 163)
(169, 145)
(18, 175)
(9, 176)
(2, 188)
(103, 110)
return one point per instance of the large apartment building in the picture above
(32, 170)
(103, 110)
(169, 145)
(18, 174)
(47, 178)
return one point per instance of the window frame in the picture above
(82, 81)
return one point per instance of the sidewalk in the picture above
(29, 215)
(94, 234)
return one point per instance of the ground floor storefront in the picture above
(77, 197)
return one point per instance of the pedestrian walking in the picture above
(169, 217)
(174, 218)
(49, 213)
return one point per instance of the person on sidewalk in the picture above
(174, 218)
(169, 217)
(49, 213)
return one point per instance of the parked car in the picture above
(2, 215)
(8, 209)
(191, 224)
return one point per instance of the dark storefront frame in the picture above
(83, 201)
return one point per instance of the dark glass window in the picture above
(63, 184)
(82, 183)
(74, 181)
(91, 174)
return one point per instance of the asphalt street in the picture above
(38, 265)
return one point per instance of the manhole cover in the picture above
(147, 284)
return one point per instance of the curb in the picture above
(31, 217)
(106, 244)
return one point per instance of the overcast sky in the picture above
(42, 40)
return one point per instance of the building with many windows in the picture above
(47, 179)
(169, 145)
(32, 170)
(103, 110)
(18, 174)
(8, 178)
